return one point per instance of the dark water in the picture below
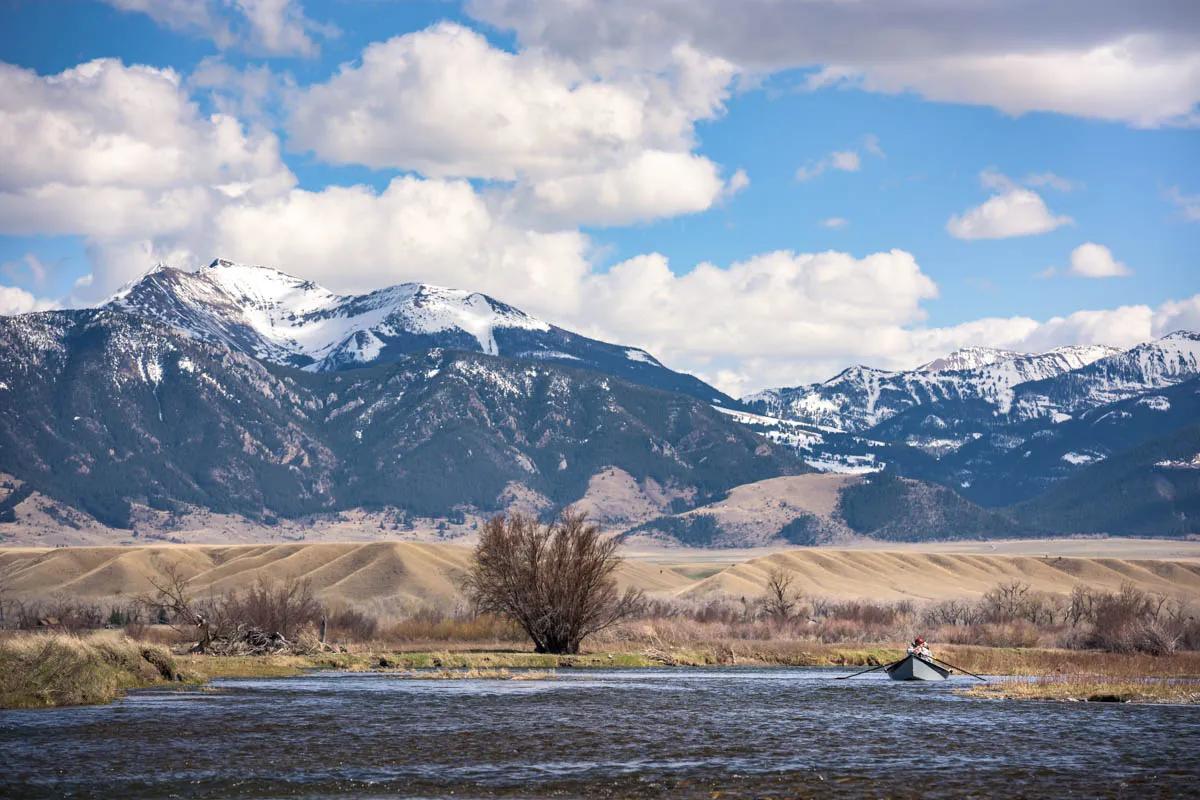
(662, 733)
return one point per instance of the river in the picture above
(620, 733)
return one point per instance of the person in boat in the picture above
(919, 648)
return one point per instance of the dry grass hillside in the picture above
(387, 578)
(753, 513)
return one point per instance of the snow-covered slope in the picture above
(861, 397)
(1146, 367)
(283, 319)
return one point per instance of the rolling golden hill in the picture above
(389, 578)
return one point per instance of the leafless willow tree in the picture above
(780, 601)
(173, 593)
(555, 581)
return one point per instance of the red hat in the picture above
(919, 640)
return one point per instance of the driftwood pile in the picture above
(255, 642)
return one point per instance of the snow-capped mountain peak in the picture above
(284, 319)
(969, 358)
(287, 319)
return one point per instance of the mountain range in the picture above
(243, 391)
(999, 431)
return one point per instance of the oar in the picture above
(960, 669)
(865, 671)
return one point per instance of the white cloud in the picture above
(1013, 211)
(840, 160)
(1124, 326)
(1105, 59)
(834, 222)
(14, 300)
(264, 27)
(107, 150)
(1052, 181)
(1091, 260)
(845, 160)
(279, 27)
(251, 93)
(1188, 204)
(1177, 315)
(468, 109)
(737, 182)
(582, 146)
(780, 315)
(30, 266)
(194, 16)
(653, 184)
(789, 318)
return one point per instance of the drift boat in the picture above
(914, 668)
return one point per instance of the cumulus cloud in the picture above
(653, 184)
(583, 146)
(14, 300)
(120, 154)
(781, 314)
(264, 27)
(1091, 260)
(1134, 63)
(108, 150)
(1012, 211)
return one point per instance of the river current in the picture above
(621, 733)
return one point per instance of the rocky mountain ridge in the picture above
(285, 320)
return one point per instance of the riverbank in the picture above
(50, 670)
(1093, 689)
(60, 670)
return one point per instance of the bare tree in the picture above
(555, 581)
(172, 592)
(780, 601)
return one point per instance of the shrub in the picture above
(555, 580)
(286, 607)
(351, 625)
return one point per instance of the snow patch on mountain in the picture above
(1155, 403)
(634, 354)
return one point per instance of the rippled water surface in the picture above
(660, 733)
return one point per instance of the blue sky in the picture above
(586, 233)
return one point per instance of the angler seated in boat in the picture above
(919, 648)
